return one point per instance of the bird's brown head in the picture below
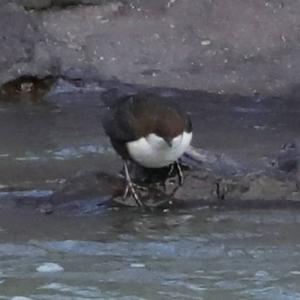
(159, 118)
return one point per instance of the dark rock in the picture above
(26, 88)
(84, 192)
(289, 158)
(35, 4)
(205, 184)
(44, 4)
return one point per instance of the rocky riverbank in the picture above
(234, 47)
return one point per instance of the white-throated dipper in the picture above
(149, 130)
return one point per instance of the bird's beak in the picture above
(168, 141)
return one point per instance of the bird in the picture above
(148, 130)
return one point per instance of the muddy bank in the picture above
(245, 153)
(237, 46)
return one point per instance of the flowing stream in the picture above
(130, 254)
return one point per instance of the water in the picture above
(52, 140)
(126, 254)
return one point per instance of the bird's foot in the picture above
(175, 167)
(132, 189)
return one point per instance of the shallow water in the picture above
(126, 254)
(129, 254)
(52, 140)
(49, 141)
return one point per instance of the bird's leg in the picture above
(171, 169)
(164, 183)
(130, 186)
(179, 172)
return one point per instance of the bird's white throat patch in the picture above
(152, 151)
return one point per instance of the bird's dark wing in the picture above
(188, 124)
(115, 120)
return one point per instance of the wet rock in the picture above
(289, 158)
(91, 192)
(203, 185)
(219, 163)
(198, 185)
(216, 188)
(262, 186)
(84, 193)
(26, 88)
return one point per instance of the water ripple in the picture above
(175, 249)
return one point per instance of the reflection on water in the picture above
(62, 135)
(126, 254)
(51, 140)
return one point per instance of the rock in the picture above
(43, 4)
(210, 184)
(26, 88)
(29, 57)
(261, 186)
(85, 192)
(35, 4)
(289, 158)
(19, 35)
(226, 48)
